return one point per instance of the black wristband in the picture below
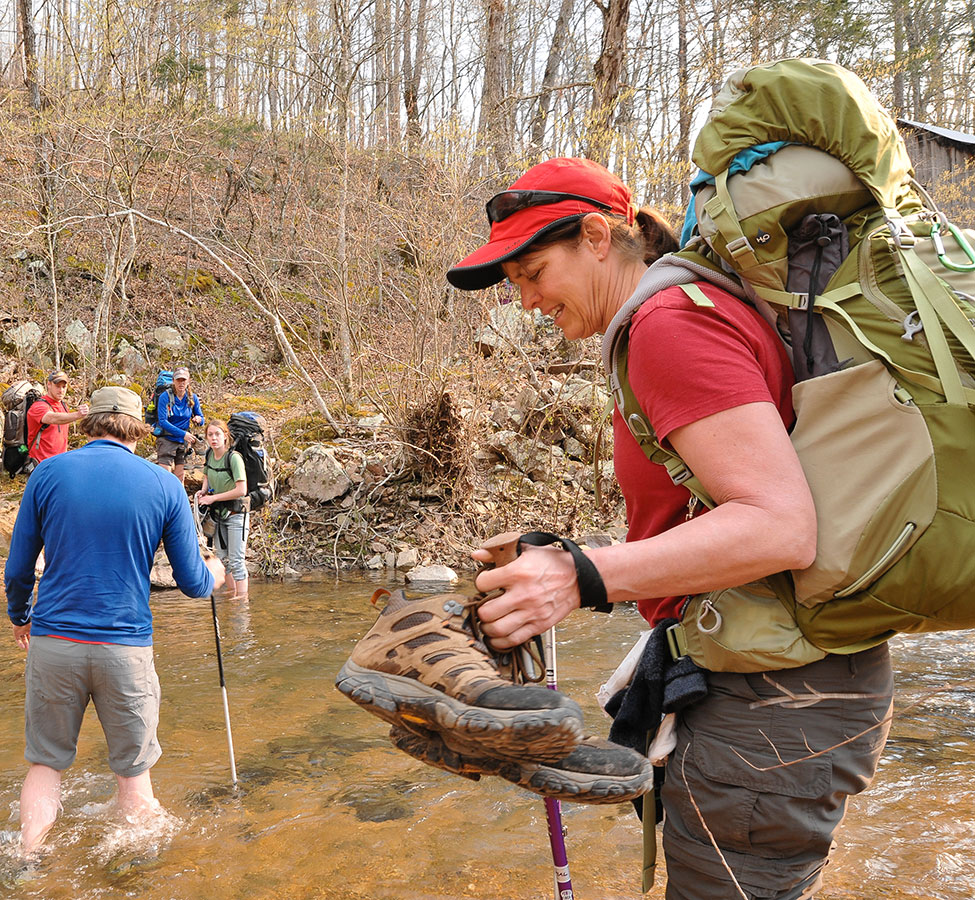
(592, 591)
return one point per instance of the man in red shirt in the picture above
(48, 419)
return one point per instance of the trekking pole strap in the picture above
(592, 591)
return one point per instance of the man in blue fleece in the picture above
(99, 513)
(178, 408)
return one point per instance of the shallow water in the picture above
(326, 808)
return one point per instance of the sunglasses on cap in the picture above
(507, 203)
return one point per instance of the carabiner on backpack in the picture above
(939, 247)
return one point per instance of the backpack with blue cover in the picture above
(808, 210)
(164, 382)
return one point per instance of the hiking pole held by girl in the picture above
(205, 550)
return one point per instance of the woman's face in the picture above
(560, 280)
(216, 438)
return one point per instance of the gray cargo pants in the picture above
(770, 805)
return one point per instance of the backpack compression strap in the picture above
(934, 301)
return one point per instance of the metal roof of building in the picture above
(950, 134)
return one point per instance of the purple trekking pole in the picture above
(503, 549)
(553, 809)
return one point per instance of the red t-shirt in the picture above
(687, 362)
(54, 438)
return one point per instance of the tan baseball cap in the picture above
(181, 372)
(116, 399)
(57, 376)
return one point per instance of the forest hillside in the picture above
(272, 193)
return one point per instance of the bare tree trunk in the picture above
(342, 277)
(231, 89)
(606, 87)
(683, 99)
(898, 16)
(559, 37)
(414, 54)
(342, 77)
(121, 251)
(491, 125)
(383, 88)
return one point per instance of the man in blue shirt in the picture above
(99, 513)
(179, 408)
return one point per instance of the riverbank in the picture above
(385, 492)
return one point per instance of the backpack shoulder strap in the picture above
(673, 270)
(37, 437)
(639, 426)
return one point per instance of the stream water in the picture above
(326, 808)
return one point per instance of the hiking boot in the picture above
(597, 771)
(423, 665)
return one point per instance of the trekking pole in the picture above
(503, 549)
(216, 634)
(223, 690)
(553, 809)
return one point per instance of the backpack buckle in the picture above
(739, 247)
(902, 235)
(676, 641)
(638, 426)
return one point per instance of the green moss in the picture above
(300, 432)
(200, 282)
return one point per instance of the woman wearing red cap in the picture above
(715, 383)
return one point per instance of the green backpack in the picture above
(884, 358)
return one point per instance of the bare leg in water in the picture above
(135, 797)
(234, 589)
(40, 803)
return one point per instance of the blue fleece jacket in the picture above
(99, 512)
(175, 413)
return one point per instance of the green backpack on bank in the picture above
(873, 290)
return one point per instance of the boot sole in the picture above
(544, 734)
(546, 780)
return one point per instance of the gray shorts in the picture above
(121, 681)
(170, 453)
(773, 821)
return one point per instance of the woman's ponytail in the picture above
(658, 237)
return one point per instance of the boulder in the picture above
(8, 515)
(318, 476)
(526, 454)
(24, 339)
(254, 353)
(161, 574)
(79, 338)
(130, 359)
(407, 559)
(507, 325)
(165, 337)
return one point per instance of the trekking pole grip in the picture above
(503, 548)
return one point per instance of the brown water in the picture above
(326, 808)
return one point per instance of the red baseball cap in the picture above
(547, 195)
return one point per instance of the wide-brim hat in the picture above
(515, 233)
(117, 400)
